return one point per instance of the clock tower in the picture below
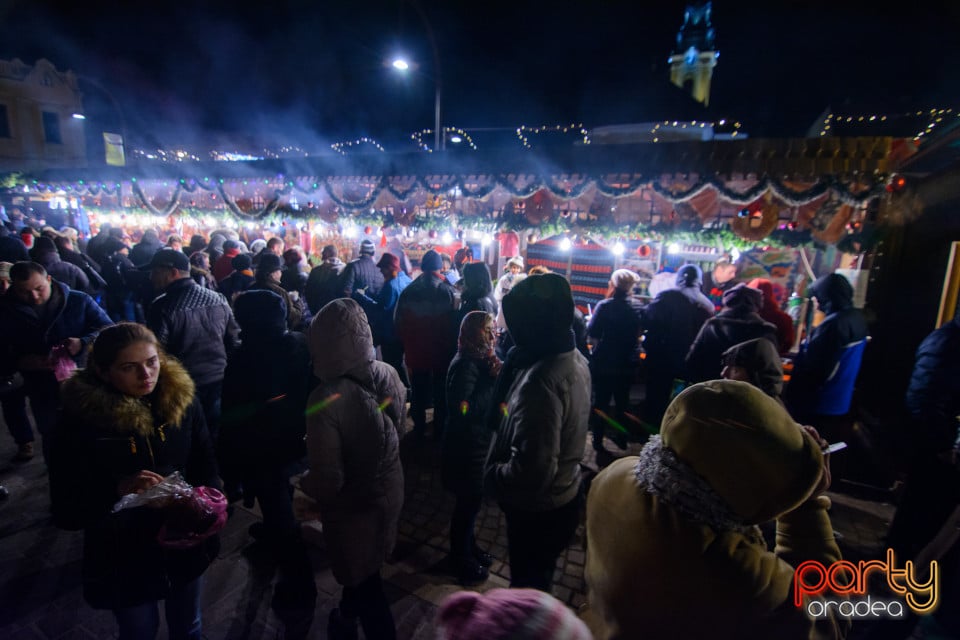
(694, 57)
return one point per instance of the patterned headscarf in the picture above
(477, 339)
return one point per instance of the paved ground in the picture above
(40, 594)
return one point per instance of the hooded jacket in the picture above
(103, 436)
(737, 322)
(355, 417)
(825, 370)
(534, 461)
(673, 550)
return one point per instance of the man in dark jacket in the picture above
(195, 325)
(37, 315)
(361, 273)
(426, 323)
(323, 280)
(671, 323)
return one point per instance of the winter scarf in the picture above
(672, 480)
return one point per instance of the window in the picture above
(51, 128)
(4, 122)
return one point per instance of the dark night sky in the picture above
(312, 72)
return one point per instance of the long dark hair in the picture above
(117, 337)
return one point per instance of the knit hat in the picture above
(516, 261)
(257, 246)
(367, 248)
(689, 275)
(745, 445)
(742, 296)
(230, 244)
(5, 270)
(260, 311)
(431, 261)
(538, 308)
(389, 261)
(269, 262)
(624, 279)
(499, 614)
(241, 262)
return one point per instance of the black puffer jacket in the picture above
(738, 322)
(615, 327)
(104, 436)
(196, 325)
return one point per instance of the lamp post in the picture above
(439, 141)
(116, 107)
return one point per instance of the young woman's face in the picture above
(135, 370)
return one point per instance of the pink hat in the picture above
(520, 614)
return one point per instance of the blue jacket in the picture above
(379, 310)
(826, 368)
(73, 314)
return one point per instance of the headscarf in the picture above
(477, 340)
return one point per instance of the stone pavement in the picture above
(40, 594)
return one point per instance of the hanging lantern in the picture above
(644, 251)
(368, 230)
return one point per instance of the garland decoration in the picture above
(149, 206)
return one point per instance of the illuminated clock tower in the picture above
(694, 57)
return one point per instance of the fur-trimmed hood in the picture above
(90, 397)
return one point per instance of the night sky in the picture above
(311, 73)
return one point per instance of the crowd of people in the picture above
(241, 367)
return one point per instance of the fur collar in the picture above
(87, 395)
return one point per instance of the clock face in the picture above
(691, 56)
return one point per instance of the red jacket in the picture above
(772, 313)
(223, 267)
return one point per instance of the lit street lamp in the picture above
(402, 65)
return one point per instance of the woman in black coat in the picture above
(466, 439)
(128, 421)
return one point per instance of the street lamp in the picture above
(121, 120)
(402, 65)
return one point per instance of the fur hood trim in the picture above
(89, 396)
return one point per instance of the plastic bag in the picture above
(63, 363)
(192, 514)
